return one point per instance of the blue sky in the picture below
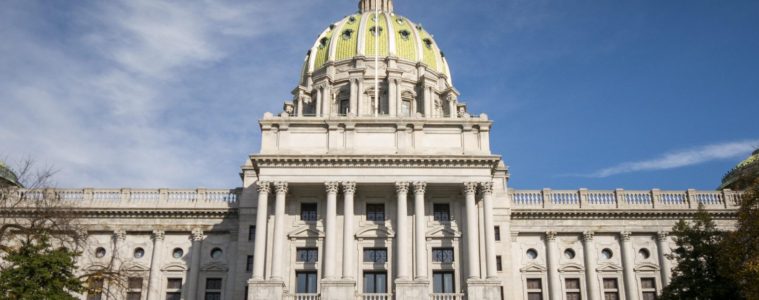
(595, 94)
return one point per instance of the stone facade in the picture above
(401, 198)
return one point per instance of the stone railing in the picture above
(375, 297)
(138, 198)
(302, 297)
(622, 199)
(446, 296)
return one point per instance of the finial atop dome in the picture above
(372, 5)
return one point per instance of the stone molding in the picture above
(281, 187)
(197, 234)
(587, 236)
(486, 187)
(301, 161)
(158, 235)
(470, 187)
(658, 214)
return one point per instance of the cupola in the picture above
(375, 5)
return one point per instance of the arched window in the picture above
(407, 106)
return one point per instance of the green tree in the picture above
(37, 270)
(741, 248)
(698, 274)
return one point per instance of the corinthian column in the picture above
(487, 201)
(262, 212)
(154, 281)
(629, 266)
(401, 233)
(420, 226)
(279, 231)
(554, 281)
(589, 251)
(473, 251)
(192, 282)
(349, 189)
(664, 263)
(330, 242)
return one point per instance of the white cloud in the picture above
(682, 158)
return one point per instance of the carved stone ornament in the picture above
(158, 235)
(587, 236)
(280, 187)
(625, 235)
(486, 187)
(264, 187)
(120, 235)
(420, 187)
(662, 235)
(470, 187)
(197, 234)
(401, 187)
(349, 187)
(332, 187)
(551, 235)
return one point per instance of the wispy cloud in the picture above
(682, 158)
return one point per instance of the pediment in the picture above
(375, 232)
(442, 232)
(647, 267)
(214, 267)
(305, 232)
(135, 267)
(533, 268)
(571, 267)
(96, 267)
(174, 267)
(607, 267)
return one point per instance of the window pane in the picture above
(534, 296)
(610, 283)
(174, 283)
(648, 283)
(444, 255)
(572, 283)
(381, 284)
(302, 282)
(611, 296)
(497, 233)
(135, 283)
(375, 212)
(534, 284)
(213, 283)
(174, 296)
(134, 296)
(309, 255)
(308, 211)
(448, 282)
(249, 263)
(311, 283)
(252, 233)
(441, 212)
(437, 282)
(498, 263)
(368, 282)
(649, 295)
(573, 296)
(213, 296)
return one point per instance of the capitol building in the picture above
(375, 182)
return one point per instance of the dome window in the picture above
(347, 34)
(351, 20)
(375, 30)
(399, 20)
(428, 43)
(323, 42)
(405, 34)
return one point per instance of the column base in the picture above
(338, 289)
(484, 289)
(265, 289)
(412, 289)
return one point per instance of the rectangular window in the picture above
(497, 233)
(306, 282)
(308, 211)
(95, 289)
(134, 288)
(174, 284)
(249, 264)
(534, 289)
(441, 212)
(173, 296)
(572, 286)
(498, 263)
(611, 289)
(375, 212)
(213, 289)
(345, 106)
(307, 255)
(406, 108)
(648, 288)
(134, 296)
(443, 255)
(375, 282)
(442, 282)
(252, 233)
(375, 255)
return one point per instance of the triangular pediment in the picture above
(306, 232)
(647, 267)
(214, 267)
(608, 267)
(174, 267)
(442, 232)
(533, 268)
(135, 267)
(375, 232)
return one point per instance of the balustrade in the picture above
(622, 199)
(304, 297)
(447, 296)
(375, 297)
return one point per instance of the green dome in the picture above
(743, 174)
(7, 177)
(354, 36)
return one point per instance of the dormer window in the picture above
(323, 42)
(405, 34)
(351, 20)
(399, 20)
(347, 34)
(428, 43)
(375, 30)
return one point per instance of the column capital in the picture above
(263, 186)
(470, 187)
(197, 234)
(281, 187)
(662, 235)
(587, 235)
(625, 235)
(158, 235)
(420, 187)
(486, 187)
(401, 187)
(332, 187)
(349, 187)
(551, 235)
(119, 234)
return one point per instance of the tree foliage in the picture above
(699, 274)
(741, 247)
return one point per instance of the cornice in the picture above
(535, 214)
(348, 161)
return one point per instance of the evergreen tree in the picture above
(741, 248)
(698, 274)
(36, 270)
